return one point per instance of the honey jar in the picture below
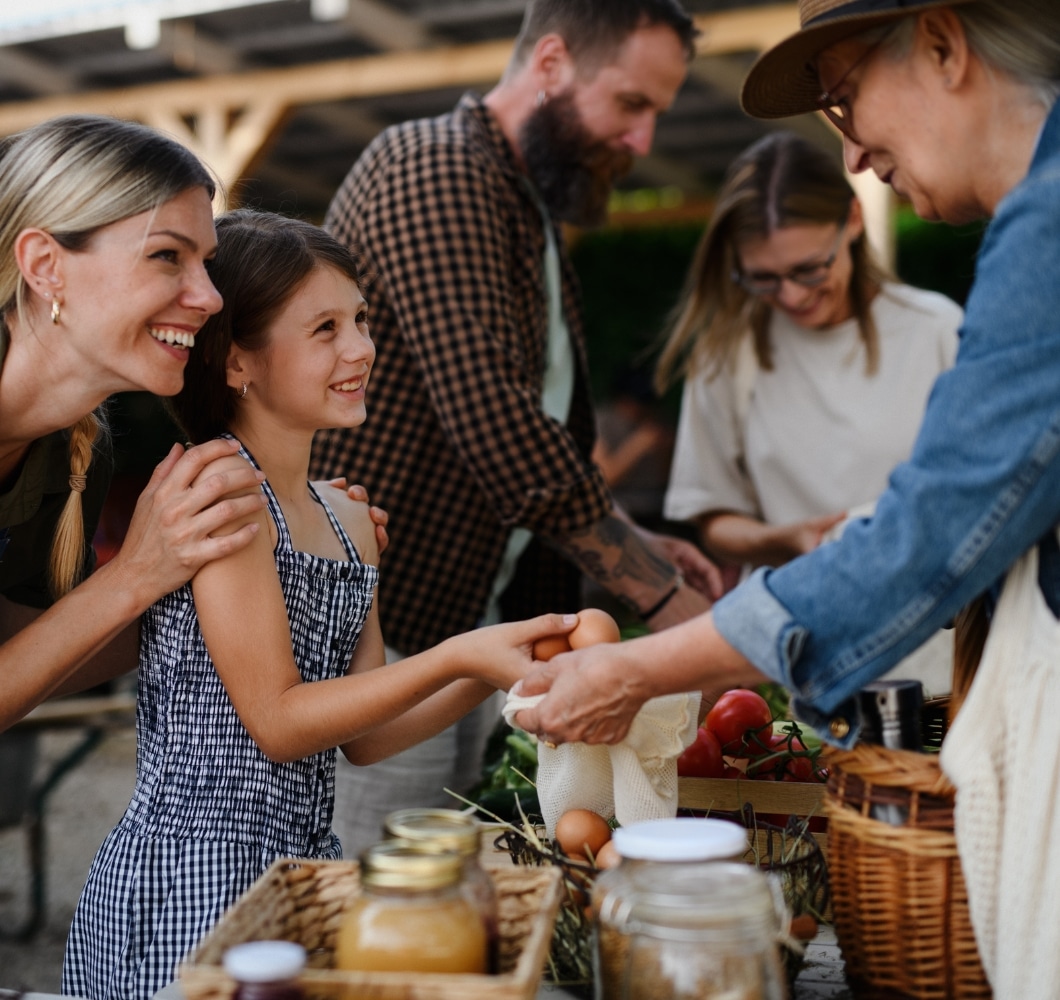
(451, 830)
(413, 915)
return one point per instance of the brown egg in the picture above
(593, 626)
(608, 856)
(551, 645)
(581, 831)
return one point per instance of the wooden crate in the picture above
(769, 798)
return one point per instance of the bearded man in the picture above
(480, 424)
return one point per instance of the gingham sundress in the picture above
(210, 811)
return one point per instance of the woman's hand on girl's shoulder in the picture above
(199, 505)
(356, 517)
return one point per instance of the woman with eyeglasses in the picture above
(806, 366)
(954, 104)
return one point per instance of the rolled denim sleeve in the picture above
(982, 486)
(753, 621)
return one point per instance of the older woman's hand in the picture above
(173, 529)
(591, 695)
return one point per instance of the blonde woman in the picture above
(106, 231)
(806, 368)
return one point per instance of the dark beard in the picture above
(573, 173)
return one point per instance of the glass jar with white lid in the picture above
(678, 919)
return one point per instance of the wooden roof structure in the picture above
(279, 97)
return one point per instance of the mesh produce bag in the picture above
(632, 780)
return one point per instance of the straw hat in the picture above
(783, 81)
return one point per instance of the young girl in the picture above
(253, 673)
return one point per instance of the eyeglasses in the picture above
(838, 110)
(810, 275)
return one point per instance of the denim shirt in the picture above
(981, 488)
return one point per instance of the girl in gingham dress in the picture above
(252, 674)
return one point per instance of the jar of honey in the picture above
(412, 915)
(451, 830)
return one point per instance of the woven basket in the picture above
(304, 901)
(898, 895)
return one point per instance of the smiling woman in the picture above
(105, 229)
(807, 368)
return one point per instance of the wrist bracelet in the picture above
(663, 601)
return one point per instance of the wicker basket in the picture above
(898, 895)
(304, 901)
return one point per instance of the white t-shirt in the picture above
(817, 435)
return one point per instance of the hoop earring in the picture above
(56, 311)
(243, 394)
(541, 98)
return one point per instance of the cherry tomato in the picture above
(702, 757)
(739, 718)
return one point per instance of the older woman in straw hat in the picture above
(954, 105)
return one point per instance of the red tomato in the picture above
(702, 757)
(740, 718)
(781, 761)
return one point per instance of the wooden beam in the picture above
(385, 27)
(369, 76)
(752, 29)
(22, 69)
(229, 118)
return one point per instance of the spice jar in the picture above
(266, 970)
(674, 922)
(451, 830)
(412, 915)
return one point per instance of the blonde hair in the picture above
(70, 177)
(782, 180)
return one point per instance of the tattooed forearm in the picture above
(616, 555)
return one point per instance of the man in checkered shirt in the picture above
(480, 423)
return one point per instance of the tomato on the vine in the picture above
(785, 758)
(702, 758)
(741, 720)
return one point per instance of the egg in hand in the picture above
(593, 626)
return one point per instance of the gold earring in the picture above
(56, 310)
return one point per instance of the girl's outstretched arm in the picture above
(243, 618)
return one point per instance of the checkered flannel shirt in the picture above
(456, 446)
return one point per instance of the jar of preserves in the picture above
(266, 970)
(676, 921)
(412, 915)
(451, 830)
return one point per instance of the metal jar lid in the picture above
(401, 864)
(444, 829)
